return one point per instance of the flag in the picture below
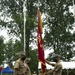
(40, 43)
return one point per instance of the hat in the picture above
(27, 59)
(22, 53)
(56, 56)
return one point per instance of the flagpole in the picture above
(24, 12)
(73, 9)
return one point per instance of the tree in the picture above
(14, 10)
(2, 48)
(9, 53)
(58, 27)
(33, 61)
(58, 23)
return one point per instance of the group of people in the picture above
(21, 66)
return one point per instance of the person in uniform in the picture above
(19, 68)
(27, 62)
(57, 66)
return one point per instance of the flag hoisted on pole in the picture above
(40, 43)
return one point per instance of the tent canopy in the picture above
(7, 70)
(66, 65)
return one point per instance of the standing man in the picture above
(27, 62)
(57, 66)
(19, 68)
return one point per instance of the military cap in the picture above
(22, 53)
(27, 59)
(56, 56)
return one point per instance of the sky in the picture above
(4, 34)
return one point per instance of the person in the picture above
(27, 62)
(57, 66)
(19, 68)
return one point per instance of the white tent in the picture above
(66, 65)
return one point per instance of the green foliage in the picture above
(68, 71)
(14, 9)
(2, 47)
(9, 52)
(34, 61)
(59, 23)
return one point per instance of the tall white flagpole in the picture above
(73, 9)
(24, 12)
